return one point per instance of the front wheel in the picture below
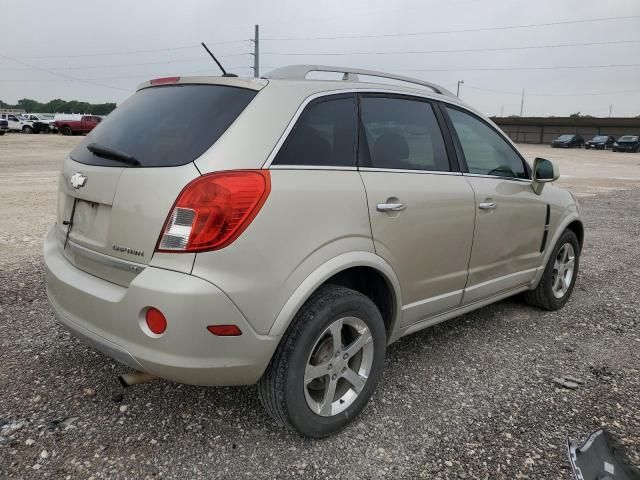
(559, 276)
(27, 129)
(327, 365)
(66, 131)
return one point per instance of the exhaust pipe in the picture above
(135, 378)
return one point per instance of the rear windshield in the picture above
(166, 126)
(628, 138)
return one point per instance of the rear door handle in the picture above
(487, 205)
(390, 207)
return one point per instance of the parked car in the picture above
(568, 141)
(4, 127)
(600, 142)
(41, 127)
(252, 242)
(17, 124)
(71, 127)
(43, 118)
(627, 143)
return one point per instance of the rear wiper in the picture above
(112, 153)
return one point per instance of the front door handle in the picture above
(487, 205)
(390, 207)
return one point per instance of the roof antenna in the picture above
(224, 72)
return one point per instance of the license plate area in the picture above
(90, 222)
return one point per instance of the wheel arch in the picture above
(362, 271)
(571, 222)
(576, 227)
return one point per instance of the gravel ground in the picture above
(471, 398)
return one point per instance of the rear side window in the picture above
(402, 134)
(166, 126)
(485, 152)
(324, 135)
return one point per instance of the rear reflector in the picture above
(213, 210)
(224, 330)
(156, 321)
(160, 81)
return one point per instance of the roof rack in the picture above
(300, 72)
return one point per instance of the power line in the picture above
(121, 77)
(469, 50)
(133, 52)
(439, 32)
(188, 60)
(90, 82)
(584, 94)
(499, 69)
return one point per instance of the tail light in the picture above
(213, 210)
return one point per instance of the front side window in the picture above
(485, 152)
(324, 135)
(401, 133)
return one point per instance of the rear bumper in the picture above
(109, 317)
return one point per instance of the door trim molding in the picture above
(456, 312)
(429, 307)
(477, 292)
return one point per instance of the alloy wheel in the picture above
(563, 268)
(338, 366)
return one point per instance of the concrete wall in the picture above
(544, 130)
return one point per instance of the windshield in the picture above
(166, 126)
(599, 139)
(565, 137)
(628, 138)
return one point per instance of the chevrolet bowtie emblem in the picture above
(77, 180)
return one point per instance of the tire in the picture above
(66, 131)
(546, 295)
(288, 397)
(27, 129)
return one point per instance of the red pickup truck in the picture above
(71, 127)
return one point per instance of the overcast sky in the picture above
(97, 42)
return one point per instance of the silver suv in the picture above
(284, 231)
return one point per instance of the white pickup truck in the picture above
(16, 123)
(45, 118)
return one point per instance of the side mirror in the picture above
(544, 171)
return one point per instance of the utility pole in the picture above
(502, 111)
(460, 82)
(256, 51)
(610, 109)
(522, 103)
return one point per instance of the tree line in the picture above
(60, 106)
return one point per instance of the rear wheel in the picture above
(27, 129)
(327, 365)
(559, 276)
(66, 131)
